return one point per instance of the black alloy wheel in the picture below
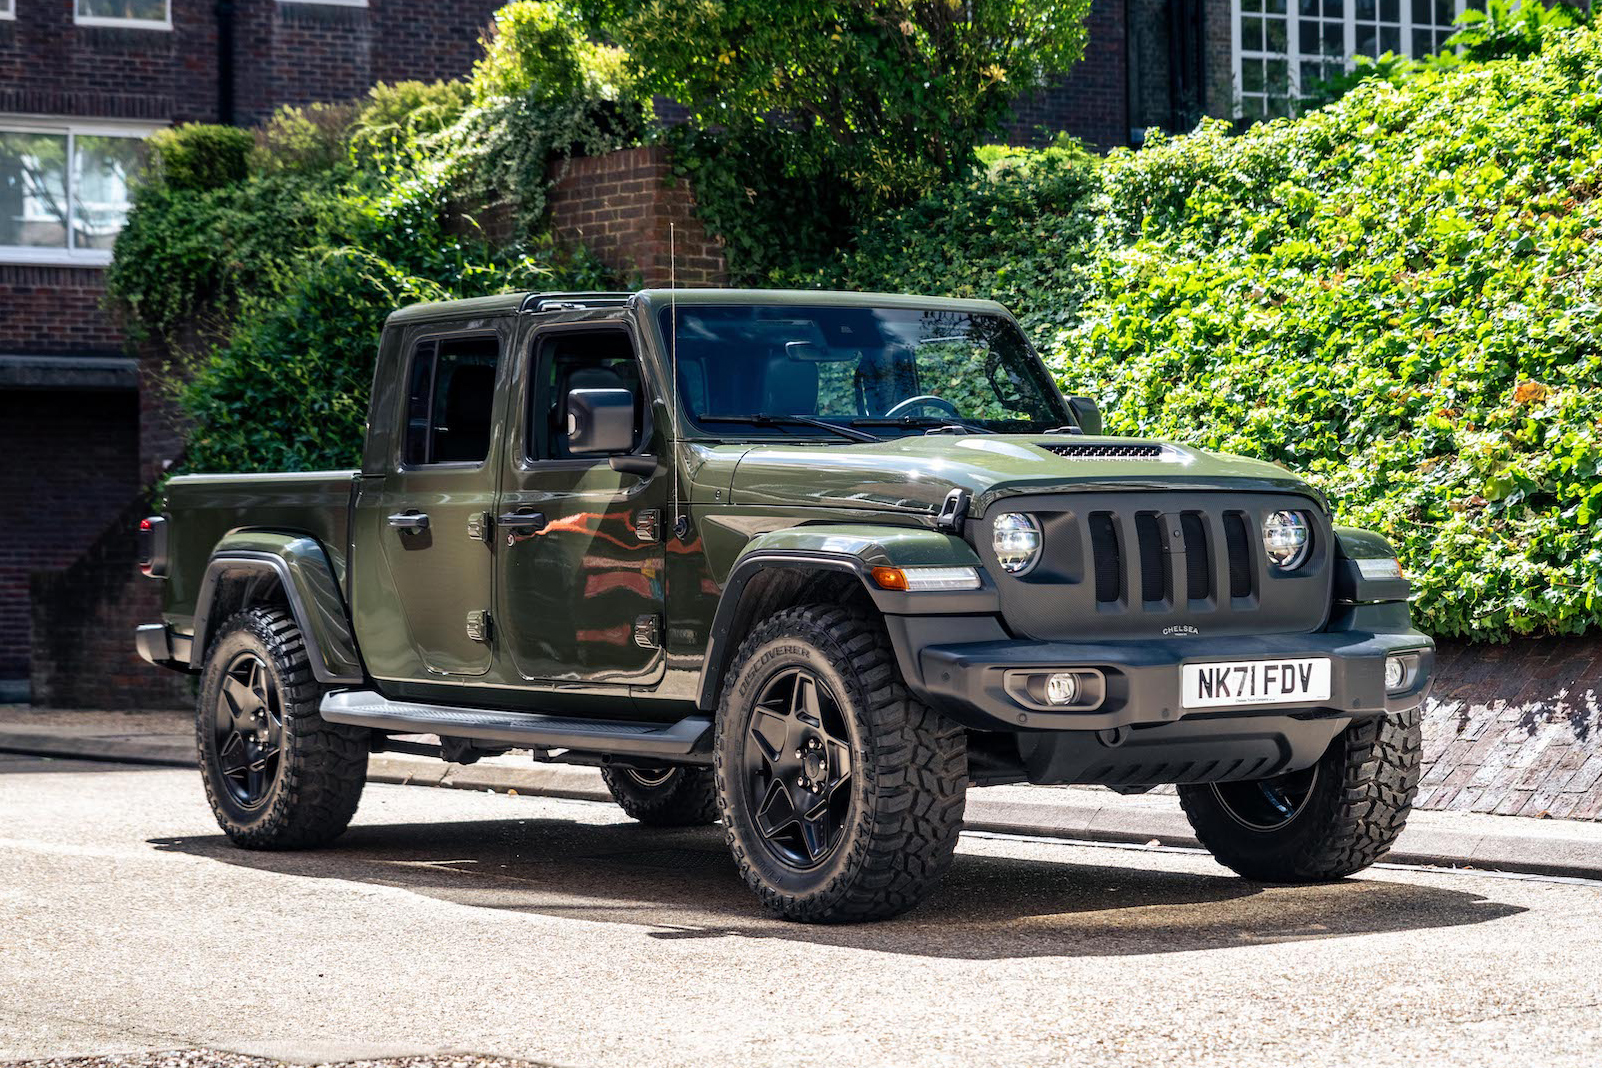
(248, 723)
(797, 762)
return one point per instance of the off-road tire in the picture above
(321, 766)
(908, 778)
(1351, 818)
(670, 797)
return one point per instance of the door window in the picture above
(601, 359)
(450, 398)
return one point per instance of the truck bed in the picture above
(202, 509)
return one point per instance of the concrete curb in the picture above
(1440, 839)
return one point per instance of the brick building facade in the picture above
(80, 82)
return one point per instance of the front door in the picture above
(430, 514)
(579, 546)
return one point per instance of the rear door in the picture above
(579, 584)
(428, 516)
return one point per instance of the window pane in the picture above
(1277, 72)
(1390, 11)
(142, 10)
(1251, 34)
(1366, 42)
(1365, 10)
(1423, 43)
(1421, 12)
(1276, 36)
(101, 167)
(1445, 12)
(1251, 76)
(1390, 39)
(600, 360)
(464, 394)
(1276, 7)
(1335, 40)
(33, 190)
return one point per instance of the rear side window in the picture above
(450, 395)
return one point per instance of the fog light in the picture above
(1395, 673)
(1062, 688)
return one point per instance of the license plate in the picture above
(1254, 682)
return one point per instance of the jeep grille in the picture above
(1134, 564)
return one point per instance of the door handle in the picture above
(520, 525)
(409, 521)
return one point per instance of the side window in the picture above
(450, 393)
(600, 359)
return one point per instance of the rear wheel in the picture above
(278, 776)
(664, 797)
(1326, 822)
(841, 793)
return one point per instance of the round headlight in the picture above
(1016, 539)
(1287, 539)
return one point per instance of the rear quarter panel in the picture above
(203, 509)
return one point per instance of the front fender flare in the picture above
(852, 550)
(298, 565)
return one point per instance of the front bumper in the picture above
(967, 681)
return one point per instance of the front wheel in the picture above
(1326, 822)
(841, 793)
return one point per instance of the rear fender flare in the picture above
(296, 564)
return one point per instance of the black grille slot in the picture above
(1108, 560)
(1198, 561)
(1240, 554)
(1153, 572)
(1106, 451)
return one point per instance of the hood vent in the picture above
(1108, 451)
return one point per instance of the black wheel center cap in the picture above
(814, 766)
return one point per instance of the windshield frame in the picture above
(660, 312)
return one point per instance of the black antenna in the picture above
(680, 526)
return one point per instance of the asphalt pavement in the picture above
(558, 932)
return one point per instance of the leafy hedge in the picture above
(1397, 295)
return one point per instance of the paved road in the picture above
(558, 932)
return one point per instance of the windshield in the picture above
(886, 369)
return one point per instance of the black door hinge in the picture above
(478, 625)
(648, 632)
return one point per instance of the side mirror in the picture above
(600, 421)
(1086, 414)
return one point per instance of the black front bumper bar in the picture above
(969, 681)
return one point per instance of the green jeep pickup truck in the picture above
(808, 563)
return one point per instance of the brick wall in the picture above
(1218, 51)
(83, 650)
(1091, 101)
(48, 311)
(621, 206)
(68, 462)
(294, 53)
(1516, 729)
(51, 66)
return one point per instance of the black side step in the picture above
(677, 741)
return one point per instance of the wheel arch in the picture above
(253, 568)
(815, 563)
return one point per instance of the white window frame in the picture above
(8, 11)
(1294, 55)
(44, 256)
(328, 3)
(79, 18)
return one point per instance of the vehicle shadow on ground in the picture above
(683, 885)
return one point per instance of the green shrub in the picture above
(1396, 295)
(197, 156)
(304, 140)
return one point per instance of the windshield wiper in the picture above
(765, 419)
(923, 421)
